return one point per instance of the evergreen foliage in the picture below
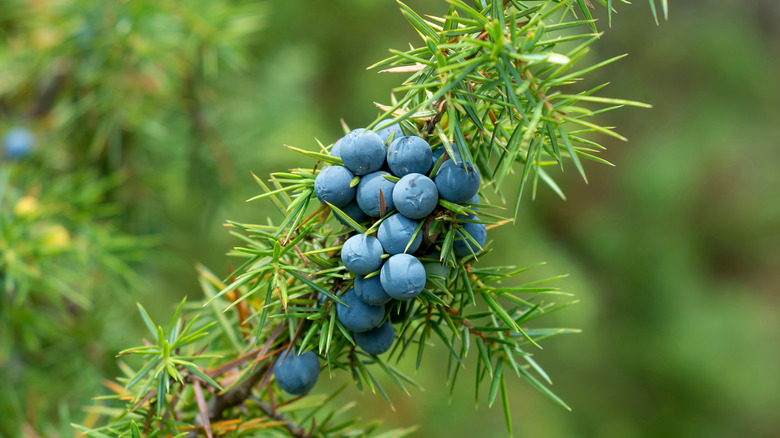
(492, 84)
(83, 87)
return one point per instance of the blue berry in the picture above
(370, 291)
(438, 152)
(462, 246)
(408, 155)
(396, 232)
(362, 153)
(333, 185)
(17, 143)
(377, 340)
(297, 374)
(456, 183)
(435, 155)
(358, 316)
(403, 276)
(415, 196)
(474, 200)
(362, 254)
(368, 193)
(354, 212)
(388, 131)
(335, 151)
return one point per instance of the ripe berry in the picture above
(377, 340)
(403, 276)
(333, 185)
(368, 193)
(415, 196)
(17, 143)
(362, 153)
(462, 246)
(370, 291)
(297, 374)
(335, 151)
(388, 131)
(456, 183)
(358, 316)
(395, 233)
(408, 155)
(362, 254)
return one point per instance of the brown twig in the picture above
(288, 424)
(440, 106)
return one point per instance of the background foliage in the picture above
(672, 253)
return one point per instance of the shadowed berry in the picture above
(17, 143)
(462, 246)
(474, 200)
(358, 316)
(415, 196)
(370, 291)
(377, 340)
(362, 254)
(399, 310)
(362, 153)
(403, 276)
(333, 185)
(388, 131)
(321, 300)
(456, 183)
(438, 152)
(354, 212)
(408, 155)
(297, 374)
(368, 193)
(396, 232)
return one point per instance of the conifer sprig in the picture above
(495, 85)
(493, 82)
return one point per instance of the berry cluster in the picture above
(384, 175)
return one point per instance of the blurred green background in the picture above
(672, 253)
